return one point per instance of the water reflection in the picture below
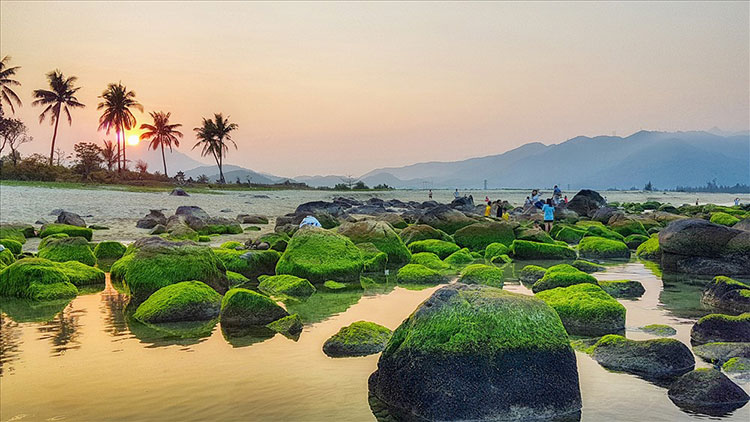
(246, 336)
(170, 333)
(325, 303)
(113, 307)
(10, 339)
(63, 330)
(26, 310)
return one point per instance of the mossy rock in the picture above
(654, 358)
(204, 239)
(494, 250)
(525, 250)
(183, 301)
(660, 330)
(601, 248)
(623, 288)
(477, 237)
(286, 285)
(719, 327)
(707, 391)
(98, 227)
(736, 365)
(72, 231)
(319, 255)
(380, 234)
(14, 246)
(649, 249)
(417, 232)
(182, 231)
(531, 274)
(561, 275)
(429, 260)
(289, 326)
(492, 352)
(724, 219)
(68, 249)
(585, 309)
(627, 227)
(335, 285)
(728, 294)
(482, 274)
(419, 274)
(51, 237)
(586, 266)
(243, 307)
(460, 258)
(720, 352)
(109, 250)
(252, 229)
(236, 279)
(569, 234)
(249, 263)
(635, 240)
(232, 244)
(601, 231)
(36, 279)
(6, 258)
(441, 248)
(361, 338)
(501, 260)
(220, 226)
(534, 234)
(81, 274)
(17, 232)
(374, 259)
(277, 241)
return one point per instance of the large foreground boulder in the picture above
(586, 201)
(361, 338)
(479, 353)
(380, 234)
(37, 279)
(655, 358)
(708, 391)
(184, 301)
(726, 293)
(320, 255)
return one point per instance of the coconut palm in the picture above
(6, 81)
(60, 97)
(161, 134)
(213, 136)
(117, 102)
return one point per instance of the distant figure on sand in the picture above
(429, 195)
(696, 202)
(310, 221)
(736, 201)
(500, 208)
(456, 194)
(487, 199)
(565, 200)
(488, 208)
(549, 215)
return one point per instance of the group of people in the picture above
(499, 211)
(546, 206)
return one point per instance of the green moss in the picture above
(429, 260)
(119, 268)
(622, 288)
(534, 234)
(601, 248)
(286, 285)
(17, 232)
(660, 330)
(6, 258)
(482, 274)
(37, 279)
(627, 227)
(15, 246)
(248, 263)
(585, 224)
(252, 229)
(523, 249)
(635, 240)
(495, 249)
(319, 255)
(649, 249)
(289, 326)
(569, 234)
(358, 339)
(109, 250)
(44, 241)
(204, 239)
(724, 219)
(419, 232)
(184, 301)
(277, 241)
(586, 309)
(236, 279)
(72, 231)
(531, 273)
(478, 236)
(601, 231)
(68, 249)
(587, 267)
(232, 244)
(334, 285)
(183, 232)
(561, 275)
(418, 274)
(501, 260)
(245, 307)
(82, 274)
(380, 234)
(374, 259)
(460, 258)
(230, 227)
(736, 364)
(440, 248)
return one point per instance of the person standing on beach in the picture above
(456, 194)
(488, 209)
(549, 215)
(429, 195)
(500, 208)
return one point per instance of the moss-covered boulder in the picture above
(494, 250)
(601, 248)
(561, 275)
(720, 352)
(17, 232)
(534, 234)
(243, 307)
(585, 309)
(72, 231)
(649, 249)
(37, 279)
(82, 274)
(441, 248)
(319, 255)
(15, 246)
(276, 241)
(445, 218)
(249, 263)
(482, 274)
(623, 288)
(530, 274)
(68, 249)
(236, 279)
(417, 232)
(728, 294)
(460, 258)
(108, 250)
(724, 219)
(493, 354)
(736, 366)
(285, 285)
(569, 234)
(601, 231)
(707, 391)
(586, 266)
(626, 226)
(660, 330)
(524, 250)
(720, 327)
(429, 260)
(380, 234)
(6, 257)
(635, 240)
(478, 236)
(184, 301)
(361, 338)
(419, 274)
(232, 244)
(290, 326)
(655, 358)
(374, 260)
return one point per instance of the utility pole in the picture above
(485, 184)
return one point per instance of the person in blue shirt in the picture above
(549, 215)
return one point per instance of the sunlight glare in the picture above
(133, 140)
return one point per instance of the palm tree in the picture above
(212, 135)
(109, 153)
(60, 96)
(6, 81)
(117, 103)
(161, 133)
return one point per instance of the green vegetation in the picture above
(531, 273)
(724, 219)
(622, 288)
(14, 246)
(201, 238)
(418, 274)
(419, 232)
(635, 240)
(17, 232)
(534, 235)
(568, 234)
(243, 307)
(654, 358)
(109, 250)
(601, 231)
(82, 274)
(460, 258)
(495, 249)
(361, 338)
(334, 285)
(441, 248)
(586, 266)
(524, 249)
(649, 249)
(37, 279)
(429, 260)
(51, 237)
(660, 330)
(232, 244)
(184, 301)
(482, 274)
(248, 263)
(6, 258)
(477, 237)
(319, 255)
(236, 279)
(374, 259)
(68, 249)
(627, 227)
(601, 248)
(277, 241)
(289, 326)
(380, 234)
(586, 309)
(286, 285)
(736, 364)
(72, 231)
(561, 275)
(720, 352)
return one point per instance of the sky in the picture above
(343, 88)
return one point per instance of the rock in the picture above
(604, 214)
(374, 259)
(243, 307)
(6, 257)
(635, 240)
(743, 224)
(567, 234)
(655, 358)
(586, 266)
(56, 211)
(290, 326)
(109, 250)
(158, 229)
(319, 255)
(318, 207)
(71, 219)
(585, 309)
(36, 279)
(184, 301)
(460, 258)
(649, 249)
(493, 354)
(361, 338)
(232, 244)
(286, 285)
(68, 249)
(380, 234)
(533, 234)
(15, 247)
(393, 219)
(494, 250)
(707, 391)
(726, 293)
(252, 219)
(737, 366)
(429, 260)
(586, 201)
(72, 231)
(445, 218)
(720, 352)
(440, 248)
(275, 241)
(419, 232)
(724, 219)
(151, 220)
(531, 273)
(478, 236)
(225, 210)
(178, 192)
(41, 221)
(626, 225)
(660, 330)
(601, 231)
(419, 274)
(623, 288)
(561, 275)
(98, 227)
(719, 327)
(601, 248)
(81, 274)
(250, 264)
(482, 274)
(464, 204)
(523, 249)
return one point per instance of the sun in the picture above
(133, 140)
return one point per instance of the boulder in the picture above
(290, 326)
(151, 220)
(82, 274)
(655, 358)
(319, 255)
(524, 249)
(495, 250)
(285, 285)
(109, 249)
(737, 365)
(429, 260)
(626, 225)
(531, 273)
(586, 266)
(17, 232)
(275, 241)
(720, 327)
(243, 308)
(445, 218)
(724, 219)
(707, 391)
(478, 236)
(184, 301)
(252, 219)
(600, 248)
(460, 258)
(71, 219)
(36, 279)
(660, 330)
(178, 192)
(158, 229)
(478, 353)
(250, 264)
(419, 274)
(561, 275)
(14, 246)
(361, 338)
(622, 288)
(720, 352)
(441, 248)
(72, 231)
(635, 240)
(318, 207)
(586, 201)
(393, 219)
(728, 294)
(604, 214)
(380, 234)
(533, 234)
(649, 249)
(68, 249)
(482, 274)
(743, 224)
(6, 257)
(585, 309)
(419, 232)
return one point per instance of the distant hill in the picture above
(231, 173)
(176, 160)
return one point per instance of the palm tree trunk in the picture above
(221, 171)
(119, 168)
(54, 136)
(164, 160)
(124, 160)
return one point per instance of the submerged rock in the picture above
(623, 288)
(479, 353)
(707, 391)
(655, 358)
(726, 293)
(720, 352)
(184, 301)
(719, 327)
(585, 309)
(361, 338)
